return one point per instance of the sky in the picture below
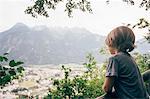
(105, 17)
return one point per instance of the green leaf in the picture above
(2, 73)
(5, 58)
(12, 63)
(6, 79)
(1, 58)
(1, 67)
(5, 54)
(12, 72)
(5, 68)
(19, 63)
(20, 69)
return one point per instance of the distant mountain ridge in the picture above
(43, 45)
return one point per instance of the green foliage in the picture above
(85, 86)
(143, 61)
(143, 24)
(88, 85)
(12, 63)
(40, 7)
(91, 66)
(9, 72)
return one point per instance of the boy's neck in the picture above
(115, 52)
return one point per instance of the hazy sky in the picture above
(104, 18)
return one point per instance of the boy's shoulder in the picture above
(113, 57)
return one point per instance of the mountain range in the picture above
(55, 45)
(42, 45)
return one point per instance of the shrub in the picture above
(9, 70)
(89, 85)
(143, 61)
(79, 87)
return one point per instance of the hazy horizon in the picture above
(65, 27)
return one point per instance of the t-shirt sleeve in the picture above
(112, 68)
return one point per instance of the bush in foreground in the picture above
(79, 87)
(89, 85)
(9, 70)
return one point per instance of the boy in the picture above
(122, 72)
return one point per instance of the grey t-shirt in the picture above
(128, 81)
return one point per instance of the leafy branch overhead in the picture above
(142, 24)
(41, 7)
(143, 3)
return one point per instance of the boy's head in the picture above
(121, 38)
